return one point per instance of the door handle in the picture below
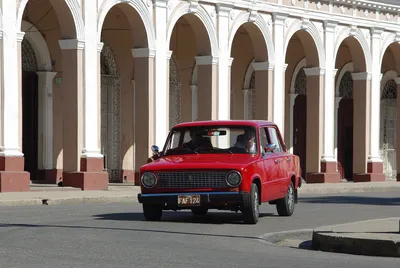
(288, 159)
(277, 160)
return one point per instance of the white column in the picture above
(223, 88)
(375, 98)
(45, 85)
(91, 87)
(161, 76)
(328, 126)
(246, 103)
(278, 110)
(337, 101)
(194, 102)
(10, 104)
(292, 99)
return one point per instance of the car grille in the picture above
(188, 180)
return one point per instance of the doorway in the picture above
(300, 130)
(345, 138)
(30, 122)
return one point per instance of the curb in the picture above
(348, 189)
(300, 239)
(69, 200)
(324, 239)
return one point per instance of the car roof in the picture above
(254, 123)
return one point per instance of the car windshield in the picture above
(212, 139)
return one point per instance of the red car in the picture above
(228, 165)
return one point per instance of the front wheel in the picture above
(152, 212)
(285, 206)
(251, 211)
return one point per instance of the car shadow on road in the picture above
(361, 200)
(183, 217)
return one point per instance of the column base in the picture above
(15, 181)
(86, 180)
(374, 173)
(13, 178)
(328, 174)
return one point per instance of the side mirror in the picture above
(155, 149)
(270, 148)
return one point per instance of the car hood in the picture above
(201, 161)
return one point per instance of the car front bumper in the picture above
(209, 199)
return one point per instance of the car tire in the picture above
(285, 206)
(251, 212)
(152, 212)
(199, 211)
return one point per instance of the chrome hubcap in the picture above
(256, 204)
(290, 198)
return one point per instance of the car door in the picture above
(281, 159)
(271, 170)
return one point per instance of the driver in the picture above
(247, 141)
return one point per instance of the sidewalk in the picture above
(380, 237)
(52, 194)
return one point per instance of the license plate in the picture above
(188, 200)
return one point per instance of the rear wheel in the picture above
(285, 206)
(251, 211)
(152, 212)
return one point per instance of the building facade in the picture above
(88, 86)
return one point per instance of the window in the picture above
(263, 138)
(274, 136)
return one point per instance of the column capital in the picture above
(169, 54)
(69, 44)
(279, 18)
(206, 60)
(376, 32)
(284, 67)
(263, 66)
(193, 87)
(143, 52)
(330, 25)
(20, 36)
(334, 72)
(100, 46)
(361, 76)
(314, 71)
(230, 61)
(223, 9)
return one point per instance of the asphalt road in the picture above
(116, 235)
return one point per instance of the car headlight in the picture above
(149, 180)
(233, 178)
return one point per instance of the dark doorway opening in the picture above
(345, 139)
(300, 130)
(30, 122)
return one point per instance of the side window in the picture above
(273, 134)
(263, 138)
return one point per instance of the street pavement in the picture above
(116, 235)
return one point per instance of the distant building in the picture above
(84, 79)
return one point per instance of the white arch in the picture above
(75, 10)
(310, 28)
(201, 13)
(390, 39)
(142, 10)
(358, 34)
(348, 67)
(39, 45)
(241, 19)
(389, 75)
(249, 74)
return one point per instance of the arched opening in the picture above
(30, 111)
(388, 129)
(125, 89)
(250, 95)
(110, 113)
(188, 86)
(302, 106)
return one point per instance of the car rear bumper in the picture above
(209, 199)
